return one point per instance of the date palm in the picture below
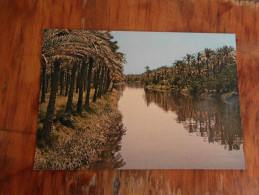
(89, 80)
(198, 58)
(208, 54)
(72, 48)
(43, 78)
(228, 55)
(188, 59)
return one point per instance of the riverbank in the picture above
(225, 96)
(161, 88)
(82, 143)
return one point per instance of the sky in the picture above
(156, 49)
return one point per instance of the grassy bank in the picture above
(81, 143)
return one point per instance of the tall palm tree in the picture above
(188, 58)
(43, 78)
(71, 91)
(219, 59)
(198, 58)
(51, 106)
(96, 82)
(208, 54)
(67, 82)
(81, 86)
(99, 93)
(228, 55)
(62, 75)
(89, 80)
(60, 46)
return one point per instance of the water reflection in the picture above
(211, 118)
(109, 156)
(162, 131)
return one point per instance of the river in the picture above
(167, 131)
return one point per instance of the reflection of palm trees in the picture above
(110, 158)
(212, 118)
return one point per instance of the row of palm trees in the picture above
(206, 65)
(77, 60)
(203, 63)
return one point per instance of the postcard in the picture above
(138, 100)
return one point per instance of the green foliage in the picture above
(161, 83)
(211, 70)
(148, 81)
(177, 82)
(227, 80)
(196, 85)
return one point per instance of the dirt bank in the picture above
(89, 141)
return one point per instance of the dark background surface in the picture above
(21, 23)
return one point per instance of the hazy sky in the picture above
(155, 49)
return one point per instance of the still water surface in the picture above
(167, 131)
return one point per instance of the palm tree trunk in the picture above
(218, 65)
(85, 79)
(43, 80)
(89, 79)
(108, 81)
(96, 83)
(104, 81)
(81, 88)
(62, 73)
(189, 68)
(47, 126)
(47, 83)
(199, 68)
(208, 71)
(99, 93)
(77, 79)
(113, 82)
(67, 83)
(214, 70)
(71, 91)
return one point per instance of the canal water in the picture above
(168, 131)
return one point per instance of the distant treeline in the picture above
(209, 70)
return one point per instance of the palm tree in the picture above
(51, 106)
(228, 55)
(71, 91)
(219, 57)
(99, 93)
(67, 82)
(81, 87)
(208, 54)
(66, 48)
(147, 70)
(198, 57)
(62, 75)
(189, 59)
(96, 82)
(89, 79)
(108, 82)
(43, 78)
